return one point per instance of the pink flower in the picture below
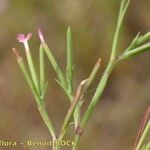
(41, 36)
(24, 39)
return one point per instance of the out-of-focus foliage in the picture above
(127, 95)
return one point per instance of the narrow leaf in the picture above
(135, 51)
(123, 9)
(44, 91)
(54, 64)
(143, 39)
(91, 78)
(133, 43)
(42, 68)
(69, 68)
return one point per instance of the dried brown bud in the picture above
(16, 53)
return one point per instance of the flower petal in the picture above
(28, 36)
(22, 38)
(41, 35)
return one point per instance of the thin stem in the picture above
(123, 8)
(78, 98)
(69, 75)
(102, 84)
(144, 135)
(39, 101)
(91, 78)
(98, 93)
(77, 109)
(71, 109)
(47, 120)
(84, 91)
(95, 100)
(142, 127)
(27, 76)
(32, 70)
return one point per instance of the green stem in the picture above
(71, 109)
(28, 78)
(102, 84)
(32, 71)
(39, 101)
(84, 91)
(48, 123)
(69, 75)
(46, 119)
(76, 113)
(95, 99)
(98, 93)
(80, 95)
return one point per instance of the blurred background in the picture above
(115, 121)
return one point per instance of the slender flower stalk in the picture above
(24, 39)
(39, 101)
(25, 73)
